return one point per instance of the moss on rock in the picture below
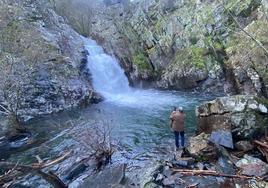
(141, 61)
(191, 57)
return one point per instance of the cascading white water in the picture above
(108, 77)
(109, 80)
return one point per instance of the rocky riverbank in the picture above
(180, 45)
(230, 150)
(42, 62)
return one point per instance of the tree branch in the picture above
(35, 168)
(246, 32)
(5, 109)
(212, 173)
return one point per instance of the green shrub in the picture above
(141, 61)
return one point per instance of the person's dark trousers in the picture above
(177, 135)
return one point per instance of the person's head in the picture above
(180, 109)
(174, 108)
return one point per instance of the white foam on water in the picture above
(111, 82)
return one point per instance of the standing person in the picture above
(177, 125)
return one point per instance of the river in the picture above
(138, 119)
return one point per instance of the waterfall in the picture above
(111, 82)
(108, 77)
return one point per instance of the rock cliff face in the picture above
(210, 45)
(188, 44)
(41, 61)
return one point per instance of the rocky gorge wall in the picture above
(41, 61)
(212, 45)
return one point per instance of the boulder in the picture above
(172, 180)
(198, 143)
(184, 162)
(110, 176)
(143, 177)
(148, 185)
(159, 177)
(224, 165)
(252, 166)
(167, 171)
(258, 184)
(244, 145)
(75, 170)
(244, 115)
(213, 122)
(178, 154)
(200, 182)
(223, 138)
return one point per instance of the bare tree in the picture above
(12, 81)
(96, 140)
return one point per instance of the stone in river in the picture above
(223, 138)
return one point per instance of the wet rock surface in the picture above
(151, 50)
(241, 114)
(222, 137)
(173, 174)
(46, 55)
(198, 143)
(182, 45)
(109, 177)
(252, 166)
(244, 146)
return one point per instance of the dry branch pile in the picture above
(262, 146)
(96, 141)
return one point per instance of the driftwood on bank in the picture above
(262, 146)
(187, 172)
(16, 170)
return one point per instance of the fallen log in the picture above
(187, 172)
(263, 151)
(15, 170)
(262, 147)
(261, 144)
(52, 178)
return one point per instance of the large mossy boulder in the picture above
(249, 58)
(245, 116)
